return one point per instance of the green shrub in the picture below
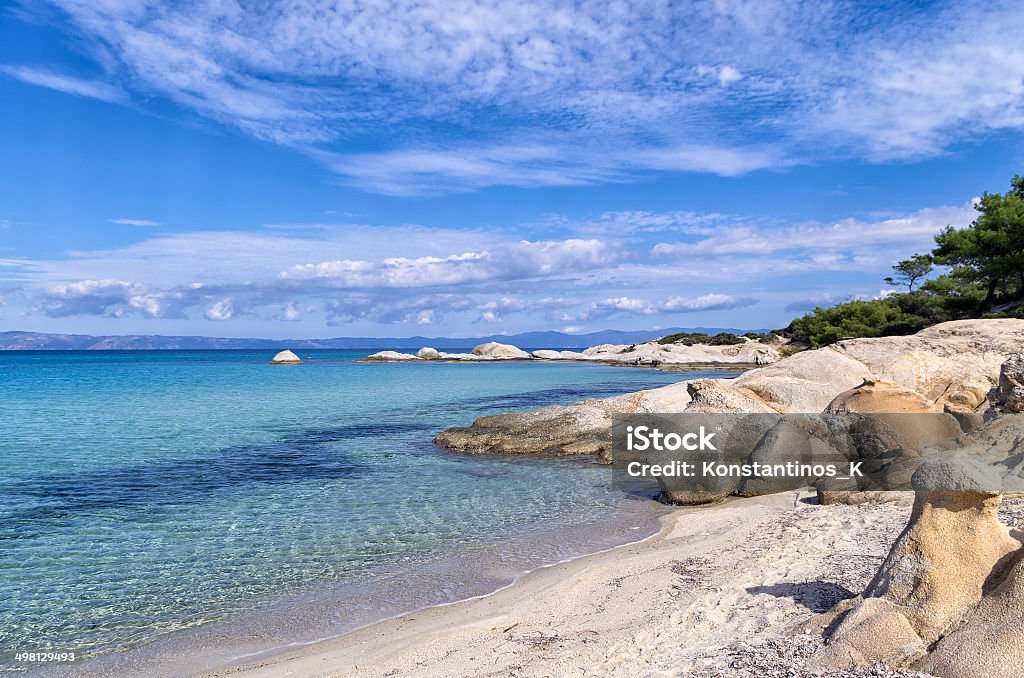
(691, 338)
(874, 318)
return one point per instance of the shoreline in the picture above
(294, 622)
(553, 607)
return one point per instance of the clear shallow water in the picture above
(148, 492)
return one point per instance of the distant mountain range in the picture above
(39, 341)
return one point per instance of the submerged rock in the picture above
(286, 357)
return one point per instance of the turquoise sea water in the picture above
(143, 493)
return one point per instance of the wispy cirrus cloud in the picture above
(92, 89)
(135, 222)
(592, 92)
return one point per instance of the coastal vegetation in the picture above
(720, 339)
(982, 277)
(693, 338)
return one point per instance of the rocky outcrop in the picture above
(938, 566)
(873, 631)
(651, 354)
(286, 358)
(970, 351)
(544, 354)
(714, 396)
(583, 428)
(491, 351)
(956, 362)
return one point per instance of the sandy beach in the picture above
(718, 591)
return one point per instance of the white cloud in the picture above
(220, 310)
(591, 92)
(728, 74)
(93, 89)
(135, 222)
(418, 172)
(291, 313)
(114, 298)
(632, 306)
(337, 275)
(515, 261)
(706, 302)
(849, 244)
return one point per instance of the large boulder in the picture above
(900, 418)
(798, 438)
(427, 353)
(286, 357)
(583, 428)
(493, 349)
(873, 631)
(806, 382)
(735, 437)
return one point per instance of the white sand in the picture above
(687, 601)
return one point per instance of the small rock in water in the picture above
(286, 357)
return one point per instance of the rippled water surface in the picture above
(148, 492)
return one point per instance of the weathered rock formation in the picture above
(286, 358)
(1010, 392)
(944, 585)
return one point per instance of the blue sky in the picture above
(453, 167)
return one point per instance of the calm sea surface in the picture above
(145, 493)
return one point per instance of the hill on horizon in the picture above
(42, 341)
